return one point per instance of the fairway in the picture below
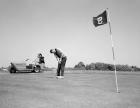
(79, 89)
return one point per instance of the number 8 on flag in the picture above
(100, 19)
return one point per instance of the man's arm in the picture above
(58, 59)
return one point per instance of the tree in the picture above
(91, 66)
(80, 65)
(101, 66)
(123, 68)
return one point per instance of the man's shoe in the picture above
(61, 77)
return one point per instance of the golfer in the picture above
(61, 58)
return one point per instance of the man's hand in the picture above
(59, 61)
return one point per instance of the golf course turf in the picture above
(79, 89)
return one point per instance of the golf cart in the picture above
(24, 67)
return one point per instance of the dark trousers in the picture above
(61, 67)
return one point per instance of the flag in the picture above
(100, 19)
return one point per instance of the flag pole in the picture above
(116, 79)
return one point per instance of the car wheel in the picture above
(37, 69)
(12, 70)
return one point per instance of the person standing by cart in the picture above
(41, 61)
(61, 58)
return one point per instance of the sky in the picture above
(29, 27)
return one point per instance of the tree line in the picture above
(105, 67)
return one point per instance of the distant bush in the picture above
(101, 66)
(105, 67)
(123, 68)
(80, 65)
(135, 68)
(111, 67)
(91, 66)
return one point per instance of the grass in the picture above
(79, 89)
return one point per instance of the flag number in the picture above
(100, 20)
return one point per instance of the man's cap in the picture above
(51, 50)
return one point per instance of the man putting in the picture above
(61, 58)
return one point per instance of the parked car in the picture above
(24, 67)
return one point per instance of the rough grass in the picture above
(79, 89)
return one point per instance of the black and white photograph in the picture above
(69, 54)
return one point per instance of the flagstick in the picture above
(116, 79)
